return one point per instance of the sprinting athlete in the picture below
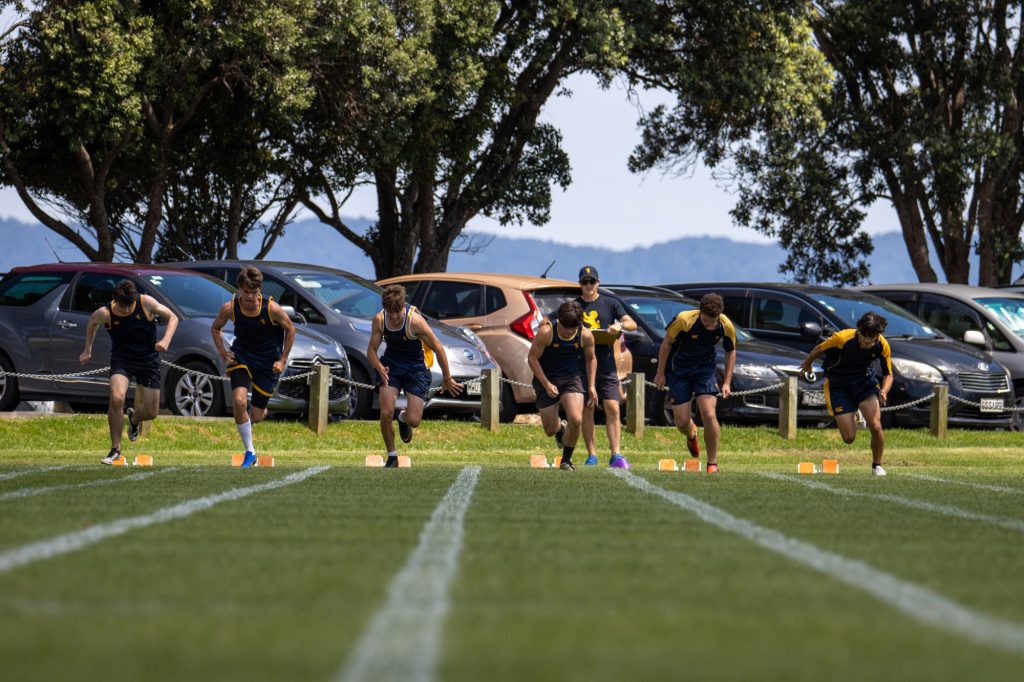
(688, 351)
(134, 354)
(554, 357)
(404, 367)
(258, 355)
(602, 312)
(851, 383)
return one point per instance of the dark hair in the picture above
(249, 277)
(871, 324)
(711, 305)
(393, 297)
(570, 314)
(125, 292)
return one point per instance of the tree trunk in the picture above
(914, 236)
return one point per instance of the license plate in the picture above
(472, 389)
(813, 398)
(991, 404)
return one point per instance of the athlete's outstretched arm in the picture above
(153, 308)
(422, 330)
(98, 317)
(223, 315)
(278, 316)
(376, 336)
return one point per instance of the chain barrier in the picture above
(971, 403)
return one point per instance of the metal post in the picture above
(319, 398)
(635, 407)
(787, 408)
(490, 399)
(940, 408)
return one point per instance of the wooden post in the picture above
(940, 407)
(787, 408)
(635, 404)
(490, 399)
(319, 398)
(137, 404)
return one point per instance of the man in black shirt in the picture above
(605, 314)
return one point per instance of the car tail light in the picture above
(527, 324)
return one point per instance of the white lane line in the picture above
(944, 509)
(404, 639)
(70, 542)
(969, 484)
(25, 472)
(29, 492)
(915, 601)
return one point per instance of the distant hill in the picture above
(679, 260)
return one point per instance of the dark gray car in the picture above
(44, 311)
(342, 305)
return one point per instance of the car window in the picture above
(949, 316)
(275, 289)
(548, 300)
(778, 314)
(1009, 311)
(93, 291)
(346, 294)
(494, 300)
(194, 295)
(734, 308)
(447, 300)
(25, 288)
(410, 290)
(904, 299)
(288, 297)
(850, 307)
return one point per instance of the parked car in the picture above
(991, 319)
(758, 363)
(801, 316)
(44, 312)
(342, 305)
(505, 312)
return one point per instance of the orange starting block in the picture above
(264, 461)
(538, 462)
(830, 466)
(667, 465)
(143, 460)
(121, 461)
(404, 461)
(806, 468)
(375, 460)
(236, 460)
(692, 465)
(556, 462)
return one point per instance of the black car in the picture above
(801, 316)
(758, 364)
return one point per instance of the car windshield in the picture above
(659, 312)
(852, 308)
(349, 295)
(1009, 311)
(193, 294)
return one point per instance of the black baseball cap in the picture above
(588, 271)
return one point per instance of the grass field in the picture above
(471, 566)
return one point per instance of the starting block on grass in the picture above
(830, 466)
(667, 465)
(375, 461)
(236, 460)
(264, 461)
(556, 462)
(538, 462)
(806, 468)
(404, 462)
(692, 465)
(121, 461)
(143, 461)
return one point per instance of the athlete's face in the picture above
(708, 321)
(866, 341)
(250, 296)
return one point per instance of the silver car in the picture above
(44, 311)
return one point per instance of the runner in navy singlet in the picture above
(134, 354)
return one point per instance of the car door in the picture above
(779, 318)
(91, 290)
(951, 317)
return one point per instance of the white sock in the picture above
(245, 431)
(393, 453)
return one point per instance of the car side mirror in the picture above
(811, 330)
(294, 316)
(974, 337)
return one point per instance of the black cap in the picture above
(588, 271)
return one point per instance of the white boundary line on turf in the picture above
(25, 472)
(915, 601)
(29, 492)
(403, 640)
(70, 542)
(944, 509)
(969, 484)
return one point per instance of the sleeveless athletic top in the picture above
(258, 338)
(561, 359)
(132, 336)
(402, 346)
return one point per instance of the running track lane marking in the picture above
(944, 509)
(969, 484)
(70, 542)
(403, 640)
(29, 492)
(25, 472)
(917, 602)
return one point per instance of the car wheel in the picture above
(9, 394)
(361, 399)
(195, 395)
(508, 409)
(1017, 418)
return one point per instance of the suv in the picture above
(342, 305)
(504, 311)
(991, 319)
(801, 316)
(758, 363)
(44, 311)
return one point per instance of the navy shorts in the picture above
(607, 386)
(846, 397)
(145, 374)
(683, 386)
(413, 380)
(573, 384)
(260, 378)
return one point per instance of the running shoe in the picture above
(591, 460)
(133, 429)
(712, 468)
(567, 465)
(249, 461)
(877, 470)
(618, 462)
(111, 457)
(392, 462)
(404, 430)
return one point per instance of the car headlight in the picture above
(755, 371)
(918, 371)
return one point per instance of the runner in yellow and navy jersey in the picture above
(851, 384)
(686, 364)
